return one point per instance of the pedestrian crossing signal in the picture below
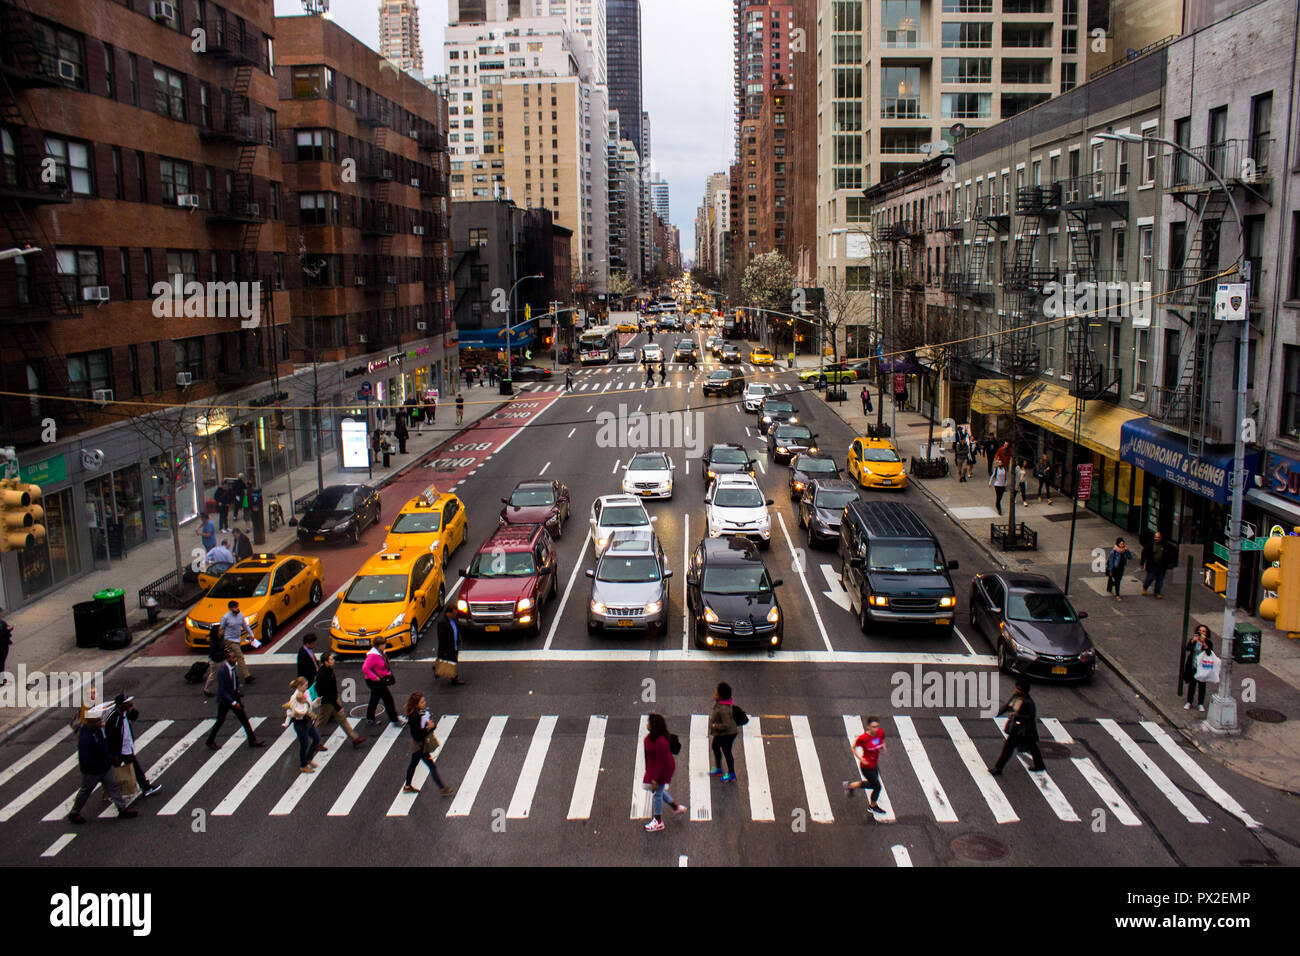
(21, 516)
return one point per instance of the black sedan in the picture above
(731, 353)
(1032, 625)
(726, 459)
(527, 373)
(338, 513)
(730, 598)
(776, 411)
(822, 506)
(809, 467)
(786, 441)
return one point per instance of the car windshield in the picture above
(838, 500)
(731, 348)
(905, 556)
(417, 522)
(742, 497)
(657, 462)
(721, 375)
(817, 466)
(377, 589)
(623, 516)
(793, 433)
(771, 407)
(628, 570)
(334, 501)
(531, 497)
(241, 585)
(1040, 606)
(729, 456)
(744, 580)
(502, 564)
(879, 454)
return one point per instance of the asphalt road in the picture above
(543, 740)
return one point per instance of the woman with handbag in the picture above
(423, 744)
(1198, 648)
(659, 767)
(448, 662)
(722, 732)
(379, 678)
(298, 709)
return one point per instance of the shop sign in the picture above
(45, 472)
(900, 383)
(1165, 455)
(356, 450)
(1085, 482)
(416, 353)
(354, 372)
(1282, 476)
(377, 364)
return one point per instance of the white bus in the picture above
(596, 345)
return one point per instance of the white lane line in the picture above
(962, 637)
(543, 471)
(640, 795)
(39, 787)
(736, 407)
(589, 408)
(1154, 773)
(901, 856)
(803, 578)
(617, 462)
(701, 795)
(584, 785)
(531, 772)
(403, 802)
(760, 791)
(686, 560)
(571, 431)
(819, 806)
(54, 848)
(853, 727)
(1212, 789)
(375, 754)
(270, 757)
(33, 755)
(208, 770)
(761, 467)
(1090, 773)
(468, 788)
(298, 789)
(559, 611)
(1043, 781)
(979, 772)
(748, 433)
(940, 805)
(140, 743)
(638, 408)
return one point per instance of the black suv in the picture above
(726, 459)
(686, 349)
(730, 597)
(731, 354)
(775, 411)
(725, 381)
(339, 512)
(822, 506)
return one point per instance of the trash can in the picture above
(88, 623)
(1245, 643)
(113, 603)
(507, 386)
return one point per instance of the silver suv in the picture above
(629, 585)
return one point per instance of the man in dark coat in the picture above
(242, 547)
(1158, 557)
(230, 699)
(1022, 729)
(402, 432)
(308, 665)
(449, 642)
(96, 764)
(121, 741)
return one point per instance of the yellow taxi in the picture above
(628, 327)
(432, 521)
(269, 588)
(395, 594)
(875, 463)
(760, 357)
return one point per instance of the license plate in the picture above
(718, 643)
(1059, 669)
(943, 620)
(886, 481)
(320, 537)
(646, 494)
(492, 627)
(627, 623)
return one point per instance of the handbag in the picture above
(739, 716)
(443, 668)
(124, 775)
(389, 680)
(1207, 668)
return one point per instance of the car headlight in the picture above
(462, 605)
(397, 621)
(879, 601)
(712, 473)
(710, 615)
(344, 523)
(794, 420)
(767, 418)
(524, 604)
(1087, 654)
(601, 542)
(781, 450)
(948, 601)
(597, 607)
(334, 622)
(251, 619)
(764, 520)
(798, 485)
(774, 615)
(654, 607)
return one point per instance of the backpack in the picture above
(739, 716)
(198, 670)
(674, 744)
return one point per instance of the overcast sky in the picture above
(686, 66)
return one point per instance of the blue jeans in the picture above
(659, 797)
(1155, 576)
(308, 739)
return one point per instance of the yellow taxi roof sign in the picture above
(428, 497)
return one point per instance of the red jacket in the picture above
(659, 762)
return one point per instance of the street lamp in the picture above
(510, 323)
(1222, 715)
(16, 253)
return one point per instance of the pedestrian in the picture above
(431, 409)
(968, 458)
(328, 703)
(1116, 560)
(998, 482)
(568, 379)
(1022, 486)
(297, 709)
(216, 658)
(868, 748)
(649, 374)
(423, 744)
(207, 532)
(94, 760)
(448, 647)
(308, 664)
(1003, 455)
(220, 554)
(1043, 472)
(663, 372)
(460, 409)
(401, 432)
(386, 447)
(6, 639)
(1022, 729)
(1157, 559)
(379, 678)
(375, 440)
(722, 732)
(659, 767)
(233, 628)
(1199, 646)
(240, 545)
(990, 446)
(239, 496)
(222, 497)
(230, 699)
(121, 741)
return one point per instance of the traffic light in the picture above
(1284, 581)
(21, 516)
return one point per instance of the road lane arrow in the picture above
(836, 592)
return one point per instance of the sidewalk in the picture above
(43, 636)
(1139, 637)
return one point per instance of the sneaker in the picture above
(995, 771)
(212, 744)
(153, 788)
(307, 769)
(715, 772)
(654, 826)
(680, 809)
(728, 778)
(447, 791)
(1201, 708)
(76, 818)
(312, 764)
(126, 813)
(876, 808)
(1187, 706)
(410, 789)
(849, 788)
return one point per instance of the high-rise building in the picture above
(624, 171)
(659, 196)
(647, 211)
(399, 35)
(623, 59)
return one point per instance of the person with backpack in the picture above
(868, 748)
(723, 729)
(423, 744)
(121, 740)
(297, 709)
(660, 746)
(330, 707)
(1199, 646)
(1116, 560)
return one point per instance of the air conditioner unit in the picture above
(417, 230)
(95, 293)
(415, 182)
(183, 379)
(352, 104)
(103, 396)
(162, 10)
(386, 174)
(413, 134)
(188, 200)
(254, 209)
(67, 70)
(392, 280)
(421, 326)
(360, 280)
(362, 338)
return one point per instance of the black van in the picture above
(893, 567)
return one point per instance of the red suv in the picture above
(512, 575)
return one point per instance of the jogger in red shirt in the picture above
(868, 748)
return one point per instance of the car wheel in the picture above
(864, 621)
(1004, 659)
(415, 635)
(764, 543)
(592, 629)
(695, 634)
(316, 593)
(356, 533)
(268, 628)
(554, 586)
(442, 596)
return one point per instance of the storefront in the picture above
(58, 558)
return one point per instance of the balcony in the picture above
(1237, 161)
(1186, 286)
(996, 209)
(1177, 408)
(1030, 279)
(26, 63)
(1026, 36)
(22, 181)
(226, 41)
(433, 140)
(234, 128)
(230, 209)
(945, 220)
(903, 108)
(1094, 191)
(1096, 381)
(1038, 200)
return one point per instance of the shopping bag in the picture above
(443, 668)
(1207, 669)
(125, 777)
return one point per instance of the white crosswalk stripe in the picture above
(640, 795)
(701, 799)
(403, 802)
(1095, 779)
(584, 785)
(369, 764)
(467, 790)
(150, 734)
(298, 789)
(819, 807)
(270, 757)
(33, 755)
(988, 788)
(1154, 773)
(1193, 770)
(1045, 784)
(760, 791)
(39, 787)
(930, 785)
(209, 769)
(64, 808)
(529, 775)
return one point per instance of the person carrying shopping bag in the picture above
(298, 711)
(423, 744)
(1200, 667)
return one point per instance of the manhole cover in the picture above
(1265, 715)
(1051, 748)
(978, 848)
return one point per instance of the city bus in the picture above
(596, 345)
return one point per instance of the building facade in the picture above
(623, 64)
(399, 35)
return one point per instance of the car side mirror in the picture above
(995, 610)
(952, 565)
(1082, 615)
(668, 573)
(505, 501)
(461, 572)
(770, 502)
(591, 572)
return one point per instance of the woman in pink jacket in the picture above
(379, 678)
(659, 767)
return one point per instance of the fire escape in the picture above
(992, 217)
(436, 188)
(380, 224)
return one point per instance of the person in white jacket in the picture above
(298, 710)
(998, 482)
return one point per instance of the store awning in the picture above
(1163, 453)
(521, 336)
(1052, 407)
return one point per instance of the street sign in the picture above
(1220, 552)
(1253, 544)
(1230, 302)
(900, 383)
(1085, 482)
(366, 389)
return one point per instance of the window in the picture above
(316, 145)
(967, 70)
(1141, 347)
(1149, 159)
(1216, 139)
(89, 372)
(133, 78)
(478, 237)
(900, 88)
(141, 180)
(1261, 128)
(1293, 286)
(55, 46)
(1290, 424)
(901, 20)
(1121, 165)
(966, 105)
(148, 271)
(318, 209)
(176, 179)
(78, 269)
(1069, 75)
(313, 82)
(857, 278)
(1253, 238)
(110, 72)
(71, 165)
(124, 258)
(848, 49)
(183, 263)
(848, 84)
(168, 93)
(133, 365)
(189, 357)
(1119, 254)
(967, 35)
(1183, 137)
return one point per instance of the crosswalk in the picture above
(581, 769)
